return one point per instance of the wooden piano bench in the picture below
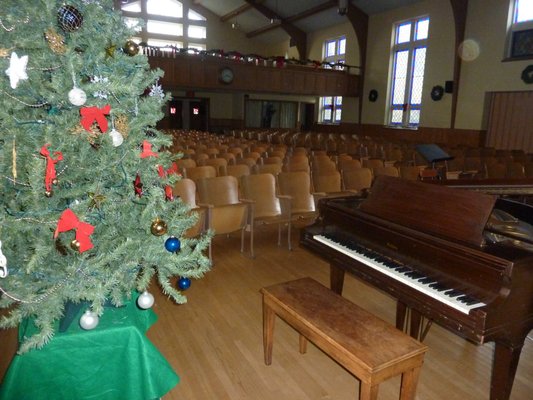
(368, 347)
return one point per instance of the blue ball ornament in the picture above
(173, 244)
(184, 283)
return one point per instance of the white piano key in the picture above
(441, 296)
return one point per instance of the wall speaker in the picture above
(448, 86)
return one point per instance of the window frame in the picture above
(411, 46)
(517, 31)
(182, 40)
(335, 102)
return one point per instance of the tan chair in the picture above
(528, 168)
(515, 170)
(409, 172)
(183, 163)
(220, 165)
(185, 189)
(238, 170)
(349, 164)
(327, 182)
(388, 170)
(195, 173)
(272, 160)
(230, 158)
(297, 185)
(295, 164)
(358, 179)
(265, 206)
(248, 161)
(496, 170)
(225, 212)
(373, 163)
(273, 169)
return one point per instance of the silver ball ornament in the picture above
(145, 300)
(89, 320)
(116, 137)
(77, 96)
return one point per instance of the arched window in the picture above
(165, 22)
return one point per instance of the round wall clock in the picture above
(226, 75)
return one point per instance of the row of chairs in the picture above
(226, 204)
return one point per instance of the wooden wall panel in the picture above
(511, 121)
(190, 72)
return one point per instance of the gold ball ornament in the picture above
(48, 193)
(131, 48)
(158, 227)
(55, 181)
(75, 245)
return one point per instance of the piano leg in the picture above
(336, 278)
(504, 365)
(401, 315)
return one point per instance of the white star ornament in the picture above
(17, 69)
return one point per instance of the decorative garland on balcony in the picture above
(278, 61)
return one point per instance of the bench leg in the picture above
(303, 344)
(269, 317)
(409, 382)
(368, 392)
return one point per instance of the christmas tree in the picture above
(87, 212)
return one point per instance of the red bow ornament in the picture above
(69, 221)
(92, 114)
(162, 173)
(50, 173)
(147, 150)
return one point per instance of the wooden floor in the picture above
(214, 342)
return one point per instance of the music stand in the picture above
(432, 153)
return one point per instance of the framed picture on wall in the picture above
(522, 44)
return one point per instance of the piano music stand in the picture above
(432, 153)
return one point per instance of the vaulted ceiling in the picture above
(270, 20)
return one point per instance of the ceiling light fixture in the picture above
(343, 7)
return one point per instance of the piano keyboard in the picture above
(451, 297)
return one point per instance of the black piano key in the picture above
(426, 280)
(468, 300)
(439, 287)
(453, 293)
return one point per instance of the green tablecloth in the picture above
(114, 361)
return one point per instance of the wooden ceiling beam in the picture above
(238, 11)
(297, 35)
(293, 18)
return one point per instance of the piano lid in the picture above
(458, 215)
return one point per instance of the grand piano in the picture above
(458, 258)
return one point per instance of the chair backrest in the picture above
(218, 191)
(496, 170)
(349, 164)
(220, 165)
(247, 160)
(515, 170)
(373, 163)
(204, 171)
(388, 170)
(328, 182)
(238, 170)
(273, 169)
(357, 179)
(183, 163)
(410, 172)
(261, 188)
(185, 189)
(297, 185)
(272, 160)
(298, 164)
